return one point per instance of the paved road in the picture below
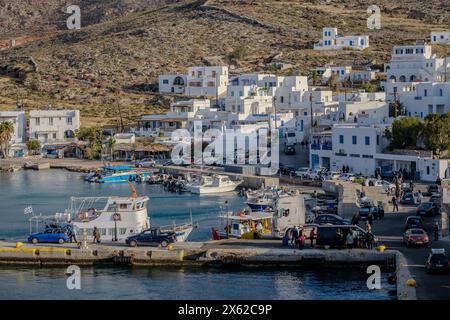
(390, 232)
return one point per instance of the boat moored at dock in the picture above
(213, 184)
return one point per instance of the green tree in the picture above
(436, 133)
(93, 135)
(6, 133)
(405, 132)
(33, 146)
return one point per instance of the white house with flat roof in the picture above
(412, 63)
(209, 82)
(18, 138)
(362, 149)
(17, 118)
(440, 37)
(331, 40)
(52, 126)
(182, 114)
(421, 99)
(342, 73)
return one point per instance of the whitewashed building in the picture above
(209, 82)
(362, 149)
(331, 40)
(342, 73)
(52, 126)
(18, 139)
(363, 75)
(421, 99)
(411, 63)
(440, 37)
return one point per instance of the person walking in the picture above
(301, 240)
(312, 235)
(419, 197)
(369, 240)
(368, 226)
(436, 231)
(96, 235)
(355, 220)
(394, 204)
(295, 235)
(370, 218)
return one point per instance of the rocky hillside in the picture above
(118, 57)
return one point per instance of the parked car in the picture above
(50, 235)
(331, 175)
(429, 209)
(347, 177)
(416, 237)
(289, 149)
(413, 222)
(408, 199)
(303, 172)
(333, 219)
(146, 163)
(377, 212)
(287, 170)
(437, 261)
(436, 198)
(434, 188)
(152, 236)
(334, 236)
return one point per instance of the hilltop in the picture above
(124, 45)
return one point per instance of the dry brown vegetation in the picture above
(125, 44)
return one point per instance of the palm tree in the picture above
(6, 133)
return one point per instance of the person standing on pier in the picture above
(394, 204)
(96, 235)
(370, 219)
(312, 235)
(436, 231)
(369, 240)
(295, 236)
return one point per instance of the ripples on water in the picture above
(49, 192)
(186, 283)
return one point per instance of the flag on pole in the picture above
(28, 210)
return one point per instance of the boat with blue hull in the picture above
(113, 174)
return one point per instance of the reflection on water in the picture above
(49, 192)
(188, 283)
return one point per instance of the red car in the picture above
(416, 237)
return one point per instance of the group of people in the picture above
(297, 237)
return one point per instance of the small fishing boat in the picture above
(120, 174)
(213, 184)
(288, 211)
(260, 203)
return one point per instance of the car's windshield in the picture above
(425, 206)
(435, 258)
(414, 221)
(417, 232)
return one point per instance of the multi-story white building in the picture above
(18, 138)
(52, 126)
(421, 99)
(17, 118)
(412, 63)
(209, 82)
(440, 37)
(331, 40)
(362, 149)
(342, 73)
(363, 75)
(182, 115)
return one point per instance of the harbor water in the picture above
(49, 192)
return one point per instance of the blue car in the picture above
(50, 235)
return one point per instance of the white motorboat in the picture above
(213, 184)
(116, 218)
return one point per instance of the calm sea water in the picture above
(49, 192)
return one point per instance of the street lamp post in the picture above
(228, 219)
(115, 239)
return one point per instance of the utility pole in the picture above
(311, 107)
(120, 116)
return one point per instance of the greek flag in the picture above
(28, 210)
